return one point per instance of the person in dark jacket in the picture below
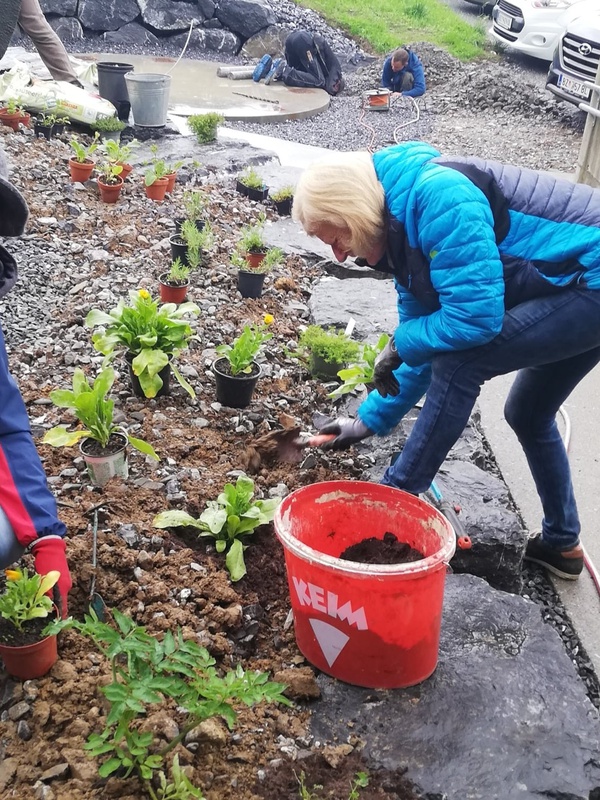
(309, 63)
(28, 513)
(497, 269)
(403, 74)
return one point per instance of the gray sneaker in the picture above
(276, 71)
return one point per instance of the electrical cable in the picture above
(589, 564)
(185, 46)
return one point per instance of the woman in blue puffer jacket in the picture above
(497, 269)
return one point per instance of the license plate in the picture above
(574, 87)
(504, 20)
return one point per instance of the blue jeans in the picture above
(10, 549)
(554, 342)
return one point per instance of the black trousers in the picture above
(303, 67)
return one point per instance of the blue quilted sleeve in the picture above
(450, 220)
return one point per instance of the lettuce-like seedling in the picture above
(233, 514)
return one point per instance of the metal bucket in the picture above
(149, 98)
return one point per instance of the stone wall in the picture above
(228, 27)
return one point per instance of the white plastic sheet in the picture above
(56, 97)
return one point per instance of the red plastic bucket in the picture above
(371, 625)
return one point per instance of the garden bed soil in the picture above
(172, 579)
(93, 448)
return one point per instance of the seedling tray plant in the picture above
(282, 200)
(250, 184)
(326, 351)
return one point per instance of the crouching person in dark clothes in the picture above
(309, 63)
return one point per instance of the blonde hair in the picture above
(342, 191)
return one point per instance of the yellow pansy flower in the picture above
(268, 319)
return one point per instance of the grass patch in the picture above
(387, 24)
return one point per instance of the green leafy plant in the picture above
(360, 781)
(12, 105)
(118, 153)
(62, 120)
(196, 241)
(25, 596)
(46, 120)
(178, 273)
(204, 126)
(147, 673)
(251, 179)
(361, 371)
(108, 125)
(252, 239)
(195, 202)
(279, 195)
(94, 410)
(273, 258)
(151, 335)
(243, 351)
(110, 172)
(83, 153)
(332, 346)
(233, 514)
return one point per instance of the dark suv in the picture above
(576, 60)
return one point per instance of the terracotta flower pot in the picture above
(109, 192)
(30, 661)
(157, 190)
(171, 178)
(126, 169)
(11, 120)
(170, 293)
(81, 171)
(254, 260)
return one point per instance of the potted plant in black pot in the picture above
(149, 336)
(102, 443)
(282, 200)
(194, 202)
(174, 283)
(43, 125)
(250, 184)
(25, 610)
(251, 280)
(59, 125)
(236, 370)
(189, 244)
(109, 128)
(327, 351)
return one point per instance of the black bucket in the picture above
(112, 86)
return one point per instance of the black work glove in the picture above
(348, 431)
(383, 374)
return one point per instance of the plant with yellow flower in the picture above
(25, 596)
(150, 336)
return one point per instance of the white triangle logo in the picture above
(331, 640)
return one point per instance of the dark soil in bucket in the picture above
(389, 550)
(31, 633)
(322, 778)
(225, 369)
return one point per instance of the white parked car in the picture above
(535, 27)
(576, 60)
